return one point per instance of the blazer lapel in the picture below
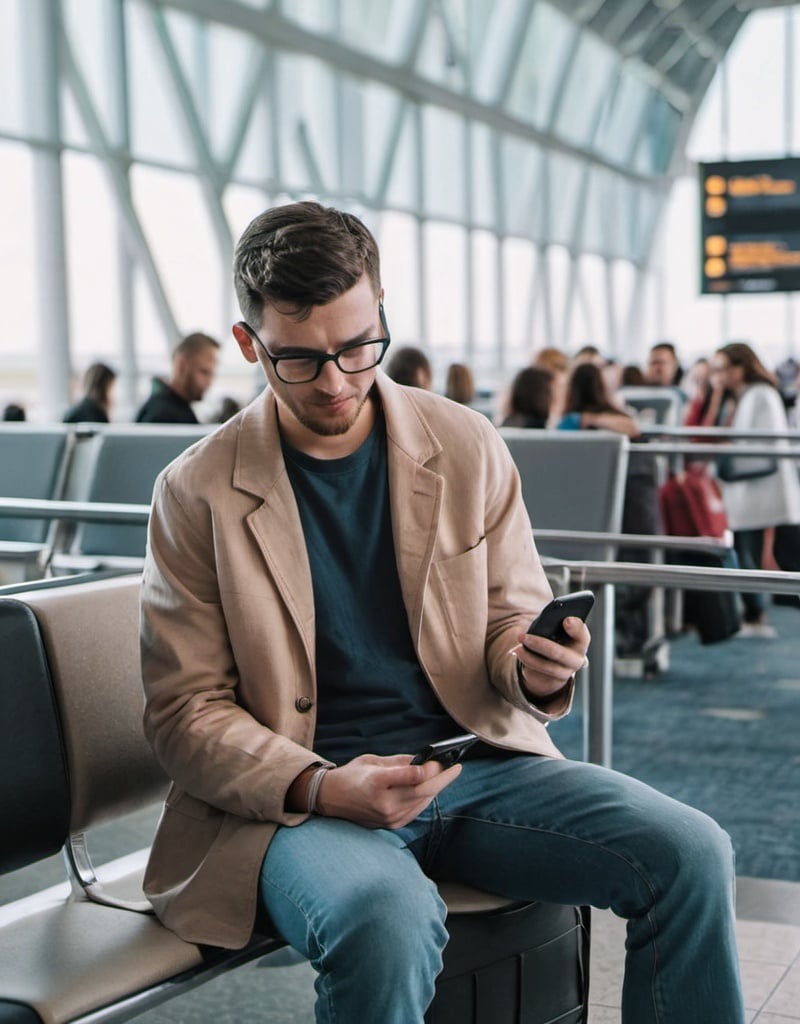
(275, 523)
(415, 494)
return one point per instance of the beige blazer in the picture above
(228, 632)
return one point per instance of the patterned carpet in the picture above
(720, 730)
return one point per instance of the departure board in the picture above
(750, 225)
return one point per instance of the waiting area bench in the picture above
(73, 757)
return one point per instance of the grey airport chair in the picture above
(33, 461)
(571, 480)
(117, 464)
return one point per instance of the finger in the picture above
(577, 630)
(416, 777)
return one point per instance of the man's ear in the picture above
(245, 342)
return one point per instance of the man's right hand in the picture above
(382, 792)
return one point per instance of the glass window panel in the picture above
(20, 304)
(175, 220)
(73, 126)
(255, 161)
(491, 28)
(483, 198)
(623, 285)
(755, 87)
(446, 263)
(315, 15)
(794, 141)
(548, 42)
(519, 260)
(158, 129)
(443, 149)
(402, 191)
(379, 29)
(705, 138)
(622, 116)
(383, 113)
(216, 62)
(560, 269)
(89, 29)
(484, 291)
(440, 54)
(565, 180)
(12, 107)
(589, 321)
(92, 261)
(658, 136)
(578, 107)
(398, 240)
(521, 183)
(308, 122)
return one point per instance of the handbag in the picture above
(734, 467)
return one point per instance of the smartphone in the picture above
(446, 752)
(548, 622)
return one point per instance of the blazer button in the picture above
(304, 704)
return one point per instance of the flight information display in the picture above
(750, 225)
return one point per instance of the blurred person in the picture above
(557, 362)
(589, 354)
(755, 503)
(460, 384)
(194, 363)
(228, 407)
(663, 368)
(330, 578)
(410, 366)
(589, 406)
(95, 405)
(14, 413)
(632, 376)
(530, 398)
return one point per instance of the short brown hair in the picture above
(194, 343)
(303, 254)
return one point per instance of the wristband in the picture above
(313, 789)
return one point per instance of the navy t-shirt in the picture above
(372, 695)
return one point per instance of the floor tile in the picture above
(770, 943)
(786, 998)
(759, 981)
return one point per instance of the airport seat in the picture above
(73, 756)
(571, 480)
(118, 463)
(33, 462)
(662, 406)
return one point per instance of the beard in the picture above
(329, 427)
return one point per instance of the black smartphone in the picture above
(548, 622)
(446, 752)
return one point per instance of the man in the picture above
(663, 368)
(337, 576)
(194, 363)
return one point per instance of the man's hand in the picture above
(382, 792)
(546, 666)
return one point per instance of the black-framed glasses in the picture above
(354, 358)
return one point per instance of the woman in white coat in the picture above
(755, 503)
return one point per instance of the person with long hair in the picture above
(756, 503)
(95, 405)
(530, 398)
(588, 405)
(460, 384)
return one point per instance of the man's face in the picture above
(195, 373)
(333, 403)
(661, 367)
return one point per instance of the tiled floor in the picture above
(768, 933)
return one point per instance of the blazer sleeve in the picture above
(211, 747)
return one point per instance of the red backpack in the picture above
(691, 504)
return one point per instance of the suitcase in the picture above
(523, 964)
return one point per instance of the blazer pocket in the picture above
(462, 586)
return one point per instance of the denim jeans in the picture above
(360, 903)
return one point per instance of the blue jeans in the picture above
(360, 903)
